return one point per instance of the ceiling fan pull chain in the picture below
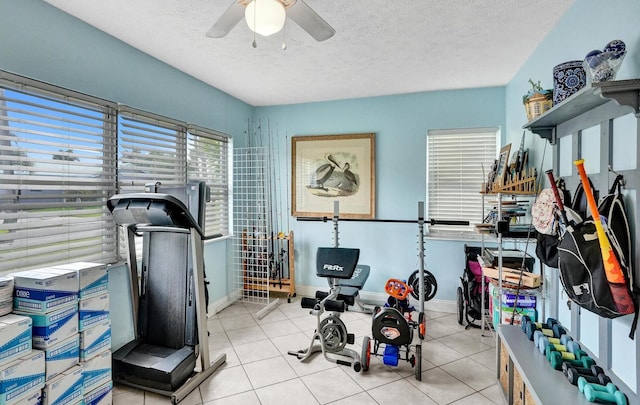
(254, 44)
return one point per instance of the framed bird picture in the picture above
(328, 168)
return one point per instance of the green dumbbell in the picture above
(592, 395)
(582, 382)
(557, 358)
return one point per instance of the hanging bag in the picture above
(580, 261)
(545, 219)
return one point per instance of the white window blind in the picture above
(57, 169)
(63, 154)
(149, 150)
(156, 149)
(208, 160)
(457, 163)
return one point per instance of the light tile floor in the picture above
(458, 365)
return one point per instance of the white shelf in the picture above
(624, 92)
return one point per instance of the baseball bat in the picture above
(612, 268)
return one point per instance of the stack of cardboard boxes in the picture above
(94, 327)
(60, 330)
(22, 369)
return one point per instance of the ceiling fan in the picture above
(274, 11)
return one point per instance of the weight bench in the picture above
(349, 291)
(336, 265)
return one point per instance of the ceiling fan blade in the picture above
(310, 21)
(227, 21)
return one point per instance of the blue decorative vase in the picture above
(568, 78)
(602, 66)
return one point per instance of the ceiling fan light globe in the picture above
(269, 16)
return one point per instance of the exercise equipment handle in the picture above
(397, 221)
(448, 222)
(397, 288)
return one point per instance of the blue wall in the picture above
(587, 25)
(400, 123)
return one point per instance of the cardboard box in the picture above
(53, 327)
(93, 310)
(32, 397)
(21, 376)
(6, 307)
(508, 313)
(96, 371)
(92, 277)
(95, 340)
(513, 276)
(509, 297)
(6, 295)
(44, 290)
(65, 388)
(15, 337)
(100, 396)
(62, 356)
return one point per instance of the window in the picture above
(208, 160)
(57, 169)
(152, 148)
(457, 163)
(63, 154)
(149, 150)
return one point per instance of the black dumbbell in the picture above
(600, 378)
(593, 370)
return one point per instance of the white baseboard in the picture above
(220, 304)
(380, 298)
(370, 298)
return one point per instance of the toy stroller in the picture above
(470, 289)
(393, 327)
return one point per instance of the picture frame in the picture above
(503, 165)
(326, 168)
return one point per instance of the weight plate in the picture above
(430, 285)
(334, 334)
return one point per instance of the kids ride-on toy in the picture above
(393, 328)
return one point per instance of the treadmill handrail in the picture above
(159, 228)
(174, 209)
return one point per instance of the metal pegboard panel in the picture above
(251, 225)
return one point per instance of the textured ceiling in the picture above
(381, 47)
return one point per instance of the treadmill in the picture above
(169, 301)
